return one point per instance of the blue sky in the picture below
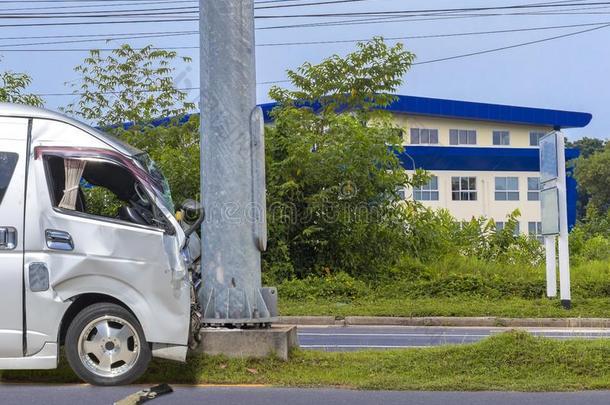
(570, 73)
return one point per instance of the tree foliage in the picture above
(333, 172)
(127, 85)
(12, 89)
(593, 176)
(587, 146)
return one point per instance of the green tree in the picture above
(12, 89)
(333, 171)
(127, 85)
(175, 148)
(587, 146)
(593, 176)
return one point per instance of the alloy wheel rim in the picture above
(109, 346)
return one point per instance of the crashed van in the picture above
(92, 257)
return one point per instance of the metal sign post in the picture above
(554, 206)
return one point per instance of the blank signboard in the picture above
(549, 200)
(548, 158)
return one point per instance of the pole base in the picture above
(230, 307)
(257, 343)
(566, 304)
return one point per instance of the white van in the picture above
(111, 283)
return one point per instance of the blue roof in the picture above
(466, 110)
(475, 158)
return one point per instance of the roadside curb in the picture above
(446, 321)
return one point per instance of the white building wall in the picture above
(519, 134)
(486, 204)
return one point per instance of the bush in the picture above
(453, 276)
(332, 287)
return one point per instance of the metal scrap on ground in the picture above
(146, 395)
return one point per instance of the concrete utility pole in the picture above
(232, 163)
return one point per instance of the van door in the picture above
(13, 153)
(98, 243)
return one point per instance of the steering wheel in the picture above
(144, 200)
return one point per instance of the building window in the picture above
(427, 192)
(424, 136)
(535, 137)
(462, 137)
(535, 230)
(402, 193)
(533, 188)
(501, 225)
(507, 189)
(464, 188)
(501, 138)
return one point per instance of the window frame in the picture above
(501, 225)
(115, 221)
(467, 136)
(506, 191)
(531, 192)
(427, 189)
(538, 234)
(538, 134)
(418, 131)
(503, 135)
(460, 192)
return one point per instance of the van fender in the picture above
(159, 323)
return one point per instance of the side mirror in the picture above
(193, 214)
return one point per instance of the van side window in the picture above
(8, 162)
(99, 188)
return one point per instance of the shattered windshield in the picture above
(158, 178)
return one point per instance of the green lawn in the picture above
(512, 361)
(454, 306)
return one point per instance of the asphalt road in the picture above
(382, 337)
(82, 394)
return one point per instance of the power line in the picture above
(503, 48)
(3, 48)
(97, 5)
(318, 3)
(195, 10)
(104, 36)
(319, 24)
(97, 14)
(465, 55)
(68, 1)
(421, 11)
(396, 19)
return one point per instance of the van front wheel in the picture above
(105, 345)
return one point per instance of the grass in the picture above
(452, 306)
(512, 361)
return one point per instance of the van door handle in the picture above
(8, 238)
(59, 240)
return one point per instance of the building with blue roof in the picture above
(483, 157)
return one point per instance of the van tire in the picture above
(122, 360)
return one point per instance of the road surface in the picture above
(331, 338)
(82, 394)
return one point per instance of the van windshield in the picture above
(158, 179)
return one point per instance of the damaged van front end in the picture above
(104, 264)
